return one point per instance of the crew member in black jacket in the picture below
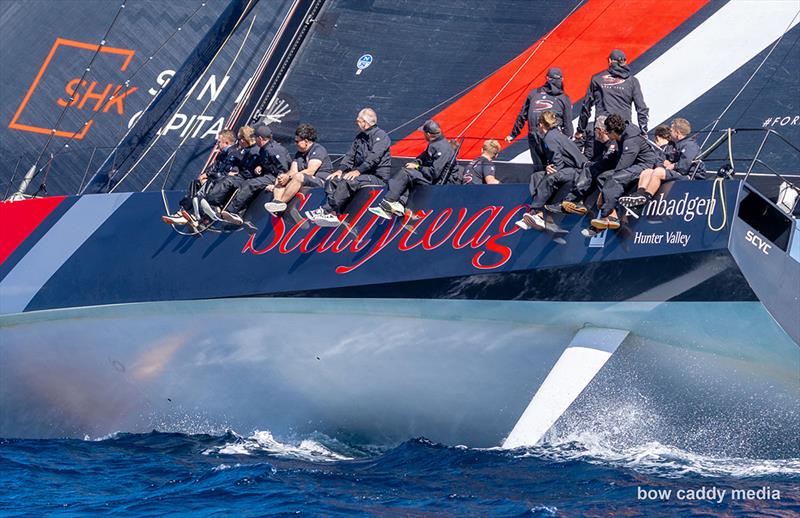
(549, 96)
(272, 160)
(222, 190)
(225, 163)
(636, 155)
(613, 91)
(565, 164)
(677, 163)
(368, 162)
(425, 170)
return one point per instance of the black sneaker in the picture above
(636, 199)
(554, 208)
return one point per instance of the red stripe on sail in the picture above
(18, 219)
(579, 46)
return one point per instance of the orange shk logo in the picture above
(80, 94)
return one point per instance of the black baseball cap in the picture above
(431, 127)
(263, 131)
(617, 55)
(555, 73)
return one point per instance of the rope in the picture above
(753, 75)
(718, 186)
(185, 99)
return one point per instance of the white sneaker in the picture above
(312, 215)
(275, 207)
(521, 224)
(378, 211)
(534, 221)
(174, 219)
(327, 219)
(230, 217)
(191, 222)
(208, 210)
(393, 207)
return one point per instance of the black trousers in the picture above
(339, 191)
(248, 190)
(191, 192)
(219, 192)
(613, 183)
(544, 185)
(403, 180)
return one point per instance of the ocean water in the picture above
(156, 474)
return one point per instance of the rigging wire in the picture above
(185, 99)
(126, 83)
(250, 86)
(753, 75)
(473, 85)
(188, 133)
(72, 97)
(519, 69)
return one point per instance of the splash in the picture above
(263, 442)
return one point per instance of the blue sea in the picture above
(156, 474)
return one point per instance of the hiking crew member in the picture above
(551, 97)
(481, 170)
(613, 91)
(565, 163)
(636, 156)
(226, 161)
(604, 157)
(272, 160)
(310, 167)
(425, 170)
(219, 194)
(676, 163)
(367, 162)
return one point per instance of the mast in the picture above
(124, 155)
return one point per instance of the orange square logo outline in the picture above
(67, 43)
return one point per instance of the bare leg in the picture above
(654, 181)
(291, 188)
(644, 178)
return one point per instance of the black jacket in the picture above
(248, 160)
(227, 161)
(634, 149)
(539, 100)
(273, 158)
(684, 153)
(613, 91)
(370, 154)
(434, 159)
(562, 152)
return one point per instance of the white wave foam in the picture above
(658, 459)
(264, 442)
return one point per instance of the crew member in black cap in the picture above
(549, 96)
(613, 91)
(273, 159)
(425, 170)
